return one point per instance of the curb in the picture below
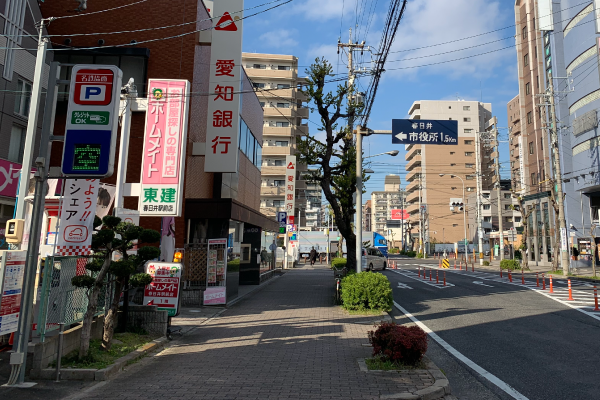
(105, 373)
(439, 389)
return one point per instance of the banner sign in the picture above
(92, 121)
(423, 131)
(163, 292)
(12, 269)
(77, 217)
(400, 215)
(9, 178)
(290, 187)
(216, 277)
(163, 162)
(223, 119)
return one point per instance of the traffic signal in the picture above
(458, 205)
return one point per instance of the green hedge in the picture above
(338, 263)
(486, 263)
(510, 264)
(420, 255)
(367, 291)
(394, 251)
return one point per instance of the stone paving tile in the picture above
(285, 341)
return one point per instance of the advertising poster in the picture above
(216, 276)
(12, 269)
(163, 292)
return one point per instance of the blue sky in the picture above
(311, 28)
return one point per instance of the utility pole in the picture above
(499, 192)
(352, 47)
(420, 216)
(564, 254)
(478, 203)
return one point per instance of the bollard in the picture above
(444, 278)
(509, 276)
(537, 279)
(543, 282)
(424, 273)
(570, 291)
(419, 272)
(473, 267)
(61, 336)
(596, 299)
(437, 276)
(551, 289)
(500, 272)
(455, 263)
(440, 264)
(430, 279)
(522, 277)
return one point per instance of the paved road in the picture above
(533, 343)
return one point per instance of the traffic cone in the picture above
(596, 299)
(437, 276)
(500, 272)
(419, 272)
(472, 267)
(509, 276)
(430, 279)
(551, 289)
(522, 277)
(543, 282)
(455, 263)
(444, 278)
(570, 291)
(11, 339)
(537, 279)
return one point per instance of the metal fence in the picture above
(60, 301)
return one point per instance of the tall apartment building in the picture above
(425, 163)
(367, 211)
(384, 206)
(275, 79)
(313, 206)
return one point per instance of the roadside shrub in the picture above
(397, 343)
(411, 253)
(518, 255)
(420, 255)
(510, 264)
(486, 263)
(367, 291)
(394, 251)
(338, 263)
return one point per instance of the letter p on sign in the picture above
(93, 87)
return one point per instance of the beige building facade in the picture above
(384, 205)
(276, 83)
(457, 163)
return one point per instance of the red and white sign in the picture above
(163, 292)
(12, 269)
(223, 118)
(93, 87)
(9, 178)
(290, 187)
(77, 217)
(400, 215)
(215, 295)
(163, 162)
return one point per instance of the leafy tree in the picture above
(104, 243)
(335, 155)
(525, 213)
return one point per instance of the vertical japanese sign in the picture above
(12, 268)
(290, 188)
(163, 292)
(216, 276)
(77, 217)
(223, 122)
(163, 162)
(521, 164)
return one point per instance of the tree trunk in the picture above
(86, 329)
(351, 244)
(111, 316)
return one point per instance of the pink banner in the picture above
(9, 178)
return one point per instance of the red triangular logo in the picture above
(290, 165)
(151, 303)
(226, 23)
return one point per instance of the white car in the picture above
(372, 259)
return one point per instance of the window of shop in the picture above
(23, 98)
(16, 144)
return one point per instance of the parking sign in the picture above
(92, 121)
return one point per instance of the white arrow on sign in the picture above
(481, 283)
(401, 136)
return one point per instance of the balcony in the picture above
(272, 170)
(272, 190)
(278, 151)
(414, 196)
(412, 186)
(270, 211)
(415, 151)
(302, 130)
(302, 112)
(278, 131)
(279, 112)
(271, 73)
(413, 208)
(414, 174)
(415, 162)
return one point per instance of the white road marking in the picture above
(403, 286)
(471, 364)
(412, 275)
(481, 283)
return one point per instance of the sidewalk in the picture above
(285, 340)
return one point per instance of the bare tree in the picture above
(525, 213)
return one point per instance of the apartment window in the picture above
(258, 85)
(282, 143)
(262, 104)
(284, 67)
(468, 142)
(507, 195)
(453, 165)
(16, 144)
(466, 119)
(466, 108)
(454, 225)
(508, 219)
(529, 118)
(533, 182)
(283, 86)
(528, 88)
(517, 219)
(469, 165)
(283, 105)
(279, 163)
(282, 124)
(524, 32)
(469, 177)
(468, 154)
(470, 189)
(23, 98)
(278, 203)
(537, 77)
(487, 206)
(259, 66)
(468, 130)
(526, 59)
(279, 182)
(487, 219)
(542, 144)
(530, 147)
(507, 207)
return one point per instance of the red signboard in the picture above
(163, 292)
(400, 215)
(93, 87)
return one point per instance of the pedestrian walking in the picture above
(264, 256)
(313, 256)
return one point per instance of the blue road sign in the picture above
(423, 131)
(282, 218)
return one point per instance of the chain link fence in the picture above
(60, 301)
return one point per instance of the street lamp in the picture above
(464, 209)
(360, 132)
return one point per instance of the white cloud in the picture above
(280, 38)
(320, 10)
(429, 22)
